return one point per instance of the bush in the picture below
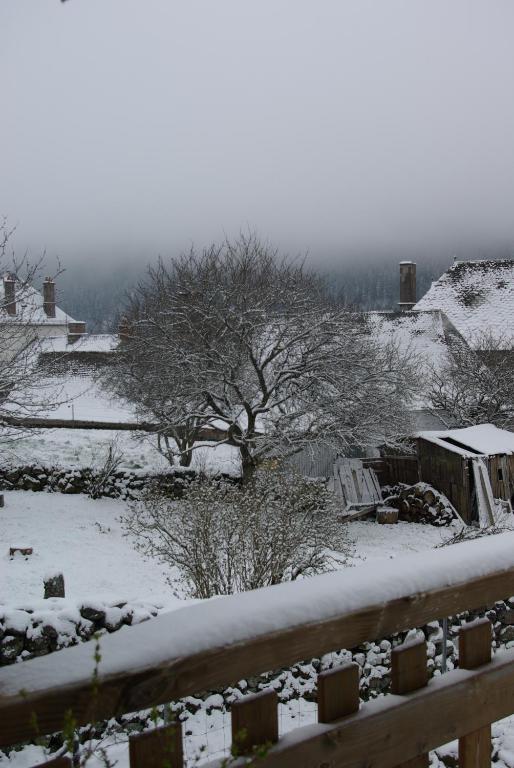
(225, 538)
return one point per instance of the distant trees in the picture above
(224, 538)
(477, 386)
(238, 338)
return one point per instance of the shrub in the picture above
(225, 538)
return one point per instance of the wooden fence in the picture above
(396, 730)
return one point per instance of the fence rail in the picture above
(221, 641)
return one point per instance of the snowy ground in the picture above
(83, 537)
(72, 448)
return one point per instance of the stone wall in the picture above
(49, 625)
(119, 484)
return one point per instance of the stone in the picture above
(10, 649)
(54, 586)
(507, 634)
(95, 615)
(38, 646)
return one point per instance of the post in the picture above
(158, 747)
(475, 650)
(54, 585)
(254, 722)
(338, 693)
(409, 673)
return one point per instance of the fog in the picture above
(342, 129)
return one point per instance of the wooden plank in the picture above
(57, 762)
(409, 667)
(338, 693)
(175, 678)
(409, 673)
(254, 723)
(158, 748)
(392, 729)
(475, 650)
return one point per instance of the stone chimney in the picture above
(49, 297)
(10, 294)
(407, 285)
(124, 330)
(75, 331)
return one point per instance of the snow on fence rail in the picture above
(217, 642)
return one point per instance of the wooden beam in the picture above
(56, 762)
(475, 650)
(224, 664)
(393, 729)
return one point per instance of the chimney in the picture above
(75, 331)
(124, 330)
(10, 294)
(407, 285)
(49, 297)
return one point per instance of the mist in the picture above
(348, 131)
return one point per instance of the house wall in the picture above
(14, 336)
(448, 472)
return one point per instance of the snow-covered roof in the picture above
(477, 297)
(29, 308)
(100, 342)
(427, 335)
(482, 440)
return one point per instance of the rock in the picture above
(38, 646)
(54, 585)
(10, 649)
(95, 615)
(507, 634)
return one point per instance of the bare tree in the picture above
(24, 387)
(226, 538)
(476, 386)
(239, 339)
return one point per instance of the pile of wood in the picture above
(420, 503)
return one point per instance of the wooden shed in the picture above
(469, 465)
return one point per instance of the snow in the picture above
(84, 399)
(477, 297)
(422, 334)
(485, 439)
(81, 538)
(75, 448)
(202, 627)
(90, 342)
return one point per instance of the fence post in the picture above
(157, 748)
(254, 722)
(409, 673)
(338, 693)
(474, 650)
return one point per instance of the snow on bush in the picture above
(227, 538)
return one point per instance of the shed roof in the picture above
(477, 296)
(481, 440)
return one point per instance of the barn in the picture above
(471, 466)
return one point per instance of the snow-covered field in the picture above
(84, 539)
(75, 448)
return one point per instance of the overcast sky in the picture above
(338, 127)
